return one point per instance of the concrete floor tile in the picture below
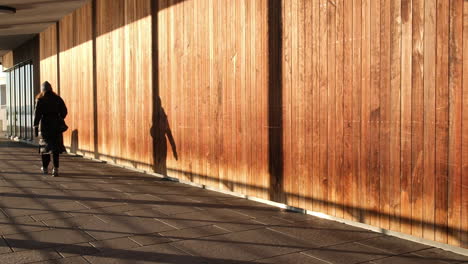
(150, 239)
(116, 243)
(4, 248)
(161, 253)
(437, 253)
(98, 213)
(46, 239)
(195, 232)
(28, 256)
(324, 234)
(348, 253)
(242, 246)
(80, 249)
(294, 258)
(393, 244)
(120, 226)
(408, 259)
(8, 227)
(72, 260)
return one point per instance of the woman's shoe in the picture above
(45, 170)
(55, 172)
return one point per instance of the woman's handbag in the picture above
(62, 125)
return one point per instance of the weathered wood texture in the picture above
(351, 108)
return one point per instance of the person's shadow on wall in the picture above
(159, 131)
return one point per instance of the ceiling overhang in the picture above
(31, 18)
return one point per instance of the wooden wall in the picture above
(76, 78)
(350, 108)
(124, 81)
(48, 55)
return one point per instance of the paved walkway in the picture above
(96, 213)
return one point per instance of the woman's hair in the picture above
(46, 88)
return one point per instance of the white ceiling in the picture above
(32, 17)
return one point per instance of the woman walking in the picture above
(48, 120)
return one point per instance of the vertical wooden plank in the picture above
(331, 111)
(287, 89)
(315, 104)
(294, 103)
(214, 91)
(339, 66)
(246, 82)
(365, 196)
(232, 98)
(262, 88)
(48, 52)
(395, 82)
(348, 185)
(413, 224)
(196, 95)
(375, 64)
(455, 121)
(404, 208)
(323, 101)
(441, 121)
(464, 183)
(301, 170)
(429, 118)
(356, 109)
(385, 108)
(308, 114)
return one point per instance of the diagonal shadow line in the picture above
(137, 254)
(348, 208)
(210, 222)
(130, 201)
(15, 226)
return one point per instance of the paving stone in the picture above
(161, 253)
(393, 244)
(348, 253)
(120, 226)
(28, 256)
(147, 213)
(137, 218)
(242, 246)
(201, 218)
(294, 258)
(241, 225)
(150, 239)
(46, 239)
(195, 232)
(51, 216)
(437, 253)
(4, 248)
(16, 225)
(17, 212)
(408, 259)
(324, 234)
(73, 222)
(80, 249)
(117, 243)
(72, 260)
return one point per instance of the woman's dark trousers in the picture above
(46, 160)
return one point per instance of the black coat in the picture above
(49, 109)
